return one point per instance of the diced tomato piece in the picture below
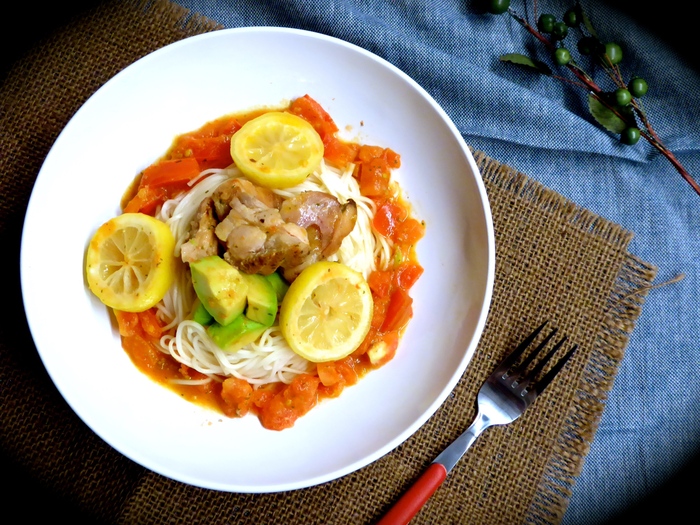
(210, 152)
(374, 177)
(311, 111)
(294, 401)
(381, 307)
(399, 311)
(302, 393)
(150, 323)
(384, 350)
(340, 153)
(276, 415)
(146, 200)
(346, 368)
(380, 283)
(328, 374)
(393, 159)
(236, 395)
(263, 394)
(166, 172)
(406, 275)
(331, 391)
(368, 152)
(128, 323)
(409, 231)
(387, 218)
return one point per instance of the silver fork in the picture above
(502, 399)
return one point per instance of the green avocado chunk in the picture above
(201, 315)
(237, 334)
(220, 287)
(262, 300)
(279, 284)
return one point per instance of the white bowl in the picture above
(130, 122)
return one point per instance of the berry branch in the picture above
(618, 110)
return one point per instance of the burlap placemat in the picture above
(554, 261)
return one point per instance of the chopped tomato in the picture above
(311, 111)
(387, 218)
(146, 200)
(150, 323)
(210, 145)
(409, 231)
(380, 282)
(263, 394)
(374, 177)
(336, 151)
(406, 275)
(384, 350)
(340, 153)
(399, 311)
(236, 395)
(381, 306)
(166, 172)
(295, 400)
(368, 152)
(393, 159)
(328, 374)
(128, 323)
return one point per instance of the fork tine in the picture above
(523, 366)
(510, 360)
(540, 365)
(544, 382)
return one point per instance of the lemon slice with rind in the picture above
(277, 149)
(326, 312)
(130, 263)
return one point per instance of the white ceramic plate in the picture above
(130, 122)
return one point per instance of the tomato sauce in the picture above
(279, 405)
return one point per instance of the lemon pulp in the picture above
(326, 312)
(277, 149)
(130, 262)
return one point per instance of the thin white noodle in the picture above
(269, 359)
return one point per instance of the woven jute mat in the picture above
(555, 261)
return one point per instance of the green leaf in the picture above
(608, 118)
(523, 60)
(586, 21)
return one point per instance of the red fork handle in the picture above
(415, 497)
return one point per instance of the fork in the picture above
(502, 399)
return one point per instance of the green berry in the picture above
(498, 7)
(562, 56)
(546, 22)
(559, 31)
(623, 97)
(571, 17)
(588, 45)
(630, 136)
(638, 87)
(613, 52)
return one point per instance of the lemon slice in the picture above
(327, 312)
(130, 262)
(277, 149)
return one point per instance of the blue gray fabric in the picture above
(540, 126)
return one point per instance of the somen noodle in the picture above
(269, 359)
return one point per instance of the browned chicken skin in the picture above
(258, 231)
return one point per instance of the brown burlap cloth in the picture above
(554, 261)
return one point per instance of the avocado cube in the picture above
(279, 284)
(201, 315)
(220, 287)
(237, 334)
(262, 300)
